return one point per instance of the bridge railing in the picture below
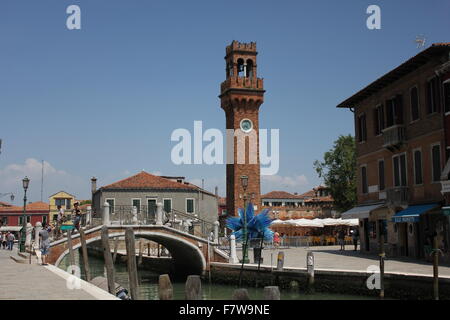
(146, 215)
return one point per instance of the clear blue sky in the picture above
(104, 100)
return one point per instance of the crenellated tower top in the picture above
(241, 74)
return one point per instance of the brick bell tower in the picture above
(241, 95)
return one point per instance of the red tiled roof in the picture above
(145, 180)
(279, 195)
(307, 194)
(30, 207)
(320, 199)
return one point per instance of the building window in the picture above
(381, 181)
(436, 162)
(21, 220)
(394, 111)
(447, 96)
(190, 205)
(373, 230)
(63, 203)
(111, 203)
(364, 186)
(362, 128)
(167, 205)
(418, 178)
(4, 221)
(151, 207)
(378, 119)
(136, 203)
(433, 95)
(414, 96)
(400, 170)
(382, 225)
(44, 220)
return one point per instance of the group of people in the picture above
(7, 240)
(62, 218)
(341, 238)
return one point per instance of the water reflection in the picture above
(148, 285)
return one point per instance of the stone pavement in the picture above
(330, 258)
(20, 281)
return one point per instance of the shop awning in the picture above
(360, 212)
(412, 213)
(10, 228)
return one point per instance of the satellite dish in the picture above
(420, 41)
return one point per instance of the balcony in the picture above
(394, 137)
(397, 196)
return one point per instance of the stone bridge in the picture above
(189, 252)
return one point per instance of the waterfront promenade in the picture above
(330, 258)
(23, 281)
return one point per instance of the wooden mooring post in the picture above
(165, 289)
(131, 263)
(436, 252)
(310, 271)
(240, 294)
(116, 247)
(280, 261)
(140, 252)
(71, 253)
(85, 255)
(382, 256)
(271, 293)
(110, 275)
(193, 289)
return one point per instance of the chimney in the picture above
(93, 184)
(216, 192)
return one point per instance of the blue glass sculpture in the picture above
(257, 225)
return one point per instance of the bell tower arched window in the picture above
(249, 69)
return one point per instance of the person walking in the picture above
(355, 238)
(276, 239)
(76, 213)
(44, 238)
(341, 239)
(59, 221)
(10, 239)
(4, 240)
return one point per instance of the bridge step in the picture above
(16, 259)
(23, 255)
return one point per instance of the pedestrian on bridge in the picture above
(76, 213)
(45, 243)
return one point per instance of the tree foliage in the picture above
(338, 169)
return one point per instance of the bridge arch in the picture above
(187, 257)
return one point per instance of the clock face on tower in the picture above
(246, 125)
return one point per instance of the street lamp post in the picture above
(244, 183)
(25, 183)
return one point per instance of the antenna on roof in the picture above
(42, 181)
(420, 41)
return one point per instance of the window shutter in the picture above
(399, 109)
(429, 101)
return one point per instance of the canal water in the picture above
(148, 285)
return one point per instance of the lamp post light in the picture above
(25, 183)
(9, 193)
(244, 183)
